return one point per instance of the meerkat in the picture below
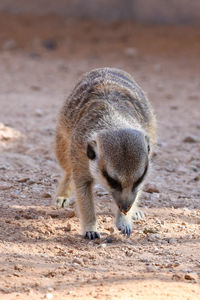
(105, 133)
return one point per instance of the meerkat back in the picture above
(105, 133)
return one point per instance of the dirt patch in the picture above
(42, 252)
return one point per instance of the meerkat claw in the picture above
(138, 215)
(91, 235)
(125, 230)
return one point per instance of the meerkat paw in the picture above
(62, 202)
(138, 214)
(124, 224)
(91, 235)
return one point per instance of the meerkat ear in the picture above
(91, 154)
(148, 145)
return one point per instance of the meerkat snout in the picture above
(119, 160)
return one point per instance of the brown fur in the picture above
(106, 108)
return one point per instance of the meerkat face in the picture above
(119, 160)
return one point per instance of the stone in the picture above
(190, 139)
(50, 44)
(151, 188)
(49, 296)
(130, 51)
(9, 45)
(46, 195)
(191, 276)
(151, 268)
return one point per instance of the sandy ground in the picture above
(42, 254)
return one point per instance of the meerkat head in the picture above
(119, 160)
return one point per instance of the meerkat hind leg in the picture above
(64, 195)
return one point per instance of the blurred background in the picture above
(45, 47)
(154, 11)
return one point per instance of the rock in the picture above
(176, 277)
(157, 67)
(49, 296)
(22, 180)
(39, 113)
(70, 214)
(130, 51)
(5, 187)
(50, 44)
(68, 227)
(103, 245)
(171, 241)
(154, 237)
(191, 276)
(34, 55)
(151, 188)
(78, 261)
(9, 45)
(193, 97)
(151, 268)
(109, 240)
(129, 253)
(187, 270)
(190, 139)
(110, 229)
(8, 133)
(18, 267)
(46, 195)
(147, 230)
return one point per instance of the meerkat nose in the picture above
(123, 211)
(123, 208)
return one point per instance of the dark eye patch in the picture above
(90, 152)
(137, 183)
(112, 182)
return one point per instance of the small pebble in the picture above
(38, 113)
(5, 187)
(130, 51)
(23, 179)
(151, 268)
(150, 230)
(49, 296)
(190, 139)
(77, 260)
(50, 44)
(151, 188)
(176, 277)
(109, 240)
(18, 268)
(68, 227)
(191, 276)
(9, 45)
(46, 195)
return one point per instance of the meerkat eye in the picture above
(90, 152)
(137, 183)
(112, 182)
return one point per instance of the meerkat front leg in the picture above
(84, 198)
(124, 222)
